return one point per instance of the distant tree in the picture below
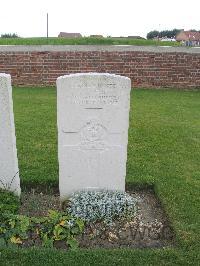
(175, 32)
(163, 34)
(9, 35)
(169, 33)
(152, 34)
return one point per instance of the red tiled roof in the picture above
(192, 35)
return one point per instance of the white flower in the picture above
(101, 205)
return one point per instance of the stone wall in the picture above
(176, 67)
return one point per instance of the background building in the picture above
(189, 38)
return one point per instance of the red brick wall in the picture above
(146, 69)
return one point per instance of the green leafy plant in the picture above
(57, 226)
(60, 227)
(16, 230)
(8, 202)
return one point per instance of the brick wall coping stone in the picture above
(100, 48)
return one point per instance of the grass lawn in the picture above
(82, 41)
(163, 151)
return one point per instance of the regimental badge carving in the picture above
(93, 135)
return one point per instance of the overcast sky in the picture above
(27, 18)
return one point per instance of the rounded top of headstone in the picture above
(5, 80)
(4, 75)
(92, 74)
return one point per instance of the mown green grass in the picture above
(82, 41)
(163, 151)
(35, 119)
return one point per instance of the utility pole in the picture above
(47, 25)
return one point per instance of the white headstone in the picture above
(93, 120)
(9, 171)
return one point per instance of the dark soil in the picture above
(149, 228)
(38, 204)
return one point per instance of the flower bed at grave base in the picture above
(113, 224)
(27, 231)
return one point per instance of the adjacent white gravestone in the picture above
(9, 172)
(93, 120)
